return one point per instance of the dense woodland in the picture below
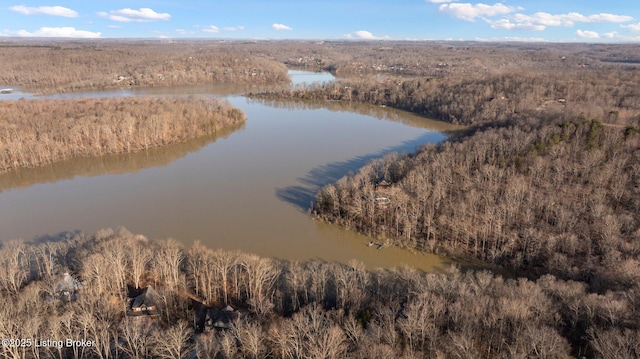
(295, 310)
(63, 66)
(546, 177)
(609, 95)
(55, 66)
(38, 132)
(544, 181)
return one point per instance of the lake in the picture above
(248, 189)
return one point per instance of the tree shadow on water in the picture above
(303, 194)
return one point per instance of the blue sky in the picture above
(508, 20)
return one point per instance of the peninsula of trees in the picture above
(38, 132)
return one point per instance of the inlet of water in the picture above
(247, 189)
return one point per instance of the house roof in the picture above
(66, 289)
(148, 298)
(67, 284)
(222, 318)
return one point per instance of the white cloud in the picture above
(586, 34)
(366, 35)
(214, 29)
(469, 12)
(512, 39)
(44, 10)
(144, 14)
(65, 31)
(540, 20)
(211, 29)
(610, 35)
(506, 24)
(280, 27)
(632, 27)
(525, 39)
(604, 17)
(568, 20)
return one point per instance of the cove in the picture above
(247, 189)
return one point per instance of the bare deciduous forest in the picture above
(63, 66)
(294, 310)
(38, 132)
(544, 181)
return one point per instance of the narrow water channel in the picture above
(247, 189)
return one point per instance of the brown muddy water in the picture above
(247, 189)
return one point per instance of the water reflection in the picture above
(302, 194)
(108, 164)
(15, 93)
(307, 78)
(247, 192)
(378, 112)
(220, 89)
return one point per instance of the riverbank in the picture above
(39, 132)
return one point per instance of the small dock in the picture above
(375, 244)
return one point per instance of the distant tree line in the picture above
(61, 66)
(37, 132)
(308, 309)
(610, 95)
(80, 65)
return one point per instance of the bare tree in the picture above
(172, 342)
(207, 345)
(261, 276)
(351, 285)
(223, 262)
(169, 262)
(250, 338)
(545, 342)
(15, 266)
(136, 337)
(139, 257)
(614, 343)
(314, 335)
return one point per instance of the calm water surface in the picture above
(247, 189)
